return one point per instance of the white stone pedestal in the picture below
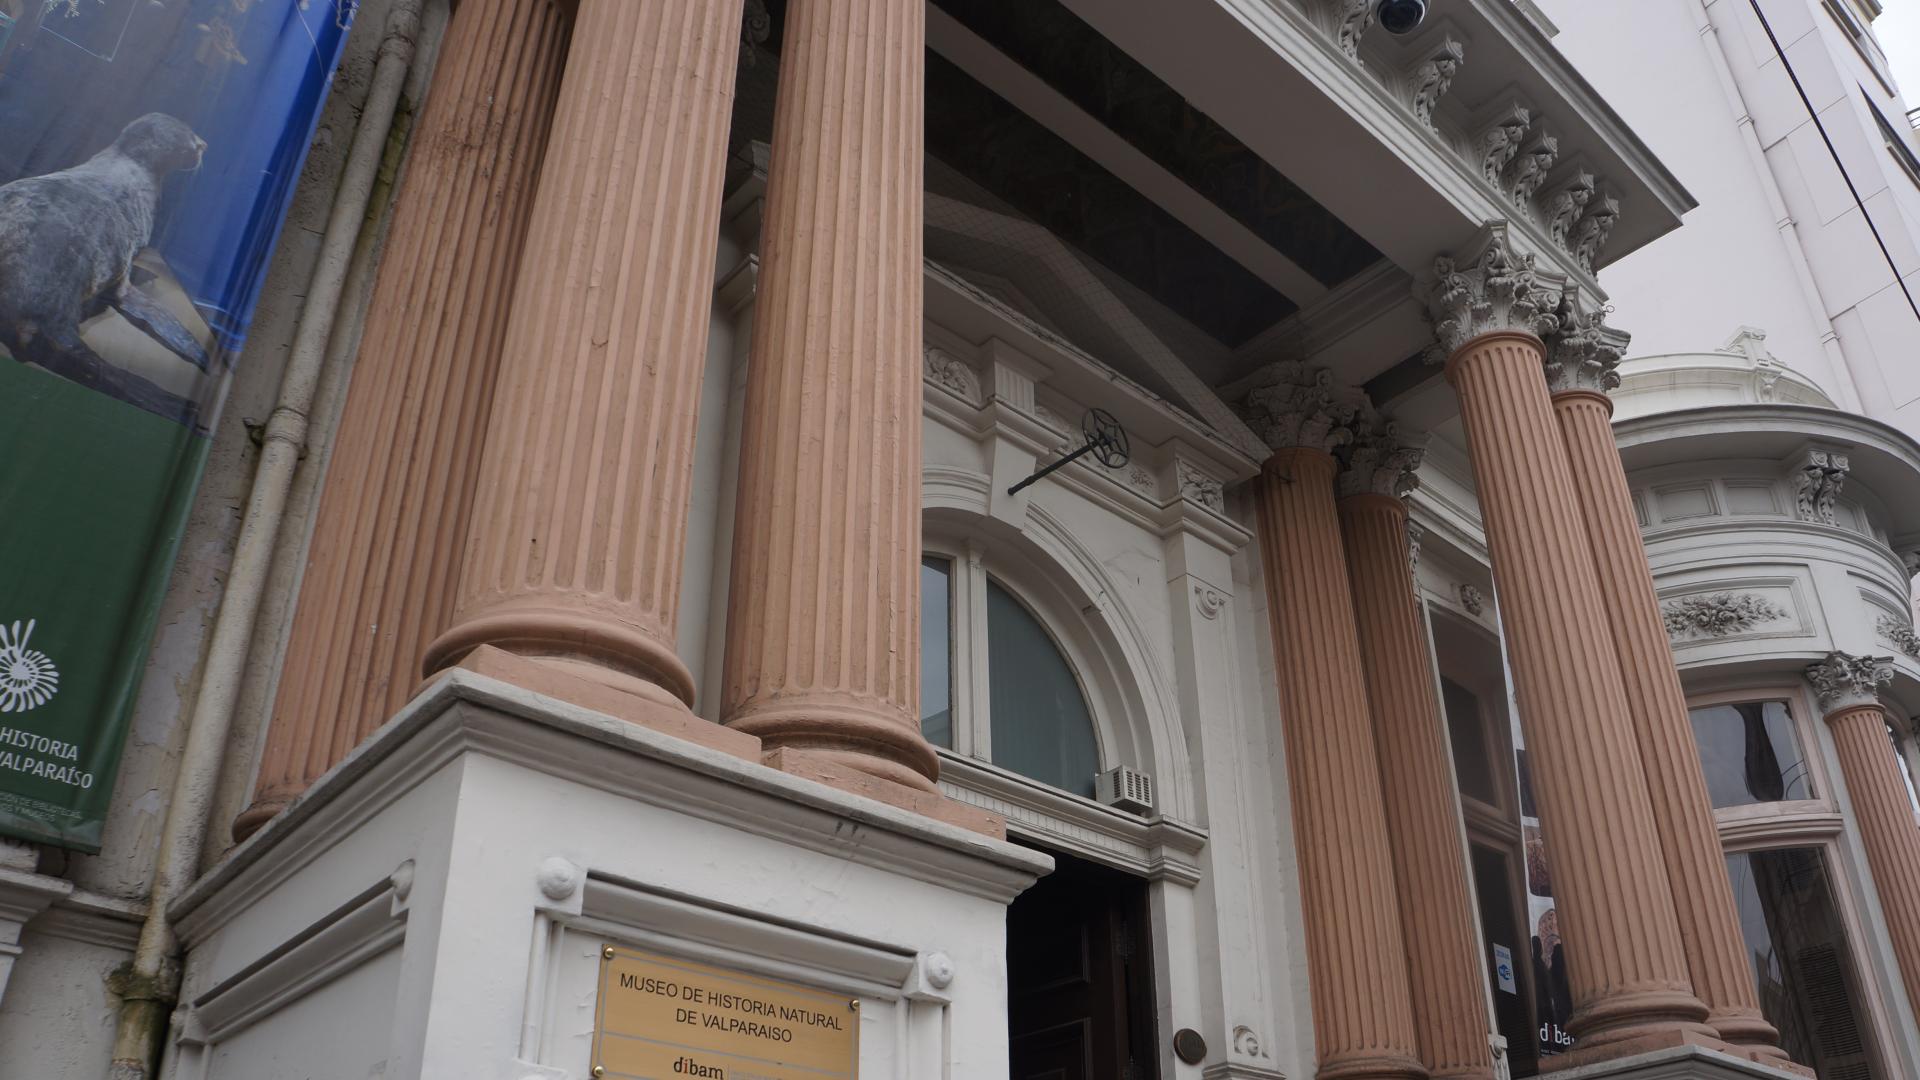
(436, 906)
(1674, 1063)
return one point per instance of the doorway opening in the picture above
(1080, 1002)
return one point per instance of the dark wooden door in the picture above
(1079, 966)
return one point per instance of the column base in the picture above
(852, 734)
(1691, 1061)
(441, 904)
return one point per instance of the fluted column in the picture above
(823, 630)
(573, 557)
(1849, 691)
(393, 514)
(1446, 973)
(1356, 960)
(1630, 984)
(1581, 359)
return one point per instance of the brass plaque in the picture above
(662, 1018)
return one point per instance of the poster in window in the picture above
(148, 153)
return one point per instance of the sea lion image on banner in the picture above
(148, 155)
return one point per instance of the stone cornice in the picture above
(1294, 405)
(1583, 353)
(1844, 681)
(1489, 290)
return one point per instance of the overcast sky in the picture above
(1898, 29)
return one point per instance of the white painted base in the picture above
(436, 906)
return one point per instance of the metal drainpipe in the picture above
(1777, 205)
(149, 988)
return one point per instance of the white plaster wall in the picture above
(1851, 331)
(58, 1019)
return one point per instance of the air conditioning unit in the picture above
(1125, 789)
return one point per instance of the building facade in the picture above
(1085, 538)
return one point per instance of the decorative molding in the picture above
(1433, 76)
(1567, 204)
(1844, 681)
(950, 371)
(1198, 487)
(1583, 353)
(1530, 171)
(1901, 633)
(1494, 291)
(1291, 404)
(1378, 461)
(1718, 614)
(1416, 533)
(1472, 599)
(1500, 143)
(754, 31)
(1594, 228)
(1817, 481)
(1209, 600)
(1140, 478)
(1351, 20)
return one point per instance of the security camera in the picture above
(1402, 16)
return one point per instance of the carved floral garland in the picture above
(1718, 614)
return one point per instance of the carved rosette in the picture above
(1817, 481)
(1472, 599)
(1901, 633)
(1497, 291)
(1583, 353)
(1379, 461)
(1433, 76)
(1294, 405)
(1843, 681)
(1197, 486)
(1717, 615)
(1208, 600)
(951, 372)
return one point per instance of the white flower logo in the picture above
(28, 678)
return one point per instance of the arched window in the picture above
(1036, 720)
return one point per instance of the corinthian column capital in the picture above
(1381, 460)
(1293, 405)
(1491, 290)
(1843, 681)
(1583, 353)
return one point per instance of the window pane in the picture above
(1472, 763)
(936, 651)
(1906, 770)
(1041, 726)
(1798, 946)
(1750, 753)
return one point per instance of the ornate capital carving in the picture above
(1495, 291)
(1817, 480)
(1433, 76)
(1583, 352)
(1567, 204)
(1843, 681)
(1530, 170)
(1379, 460)
(1500, 144)
(1291, 404)
(1594, 228)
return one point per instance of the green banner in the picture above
(148, 153)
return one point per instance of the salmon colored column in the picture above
(823, 621)
(1580, 369)
(1446, 973)
(1356, 961)
(1849, 691)
(573, 559)
(393, 515)
(1631, 989)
